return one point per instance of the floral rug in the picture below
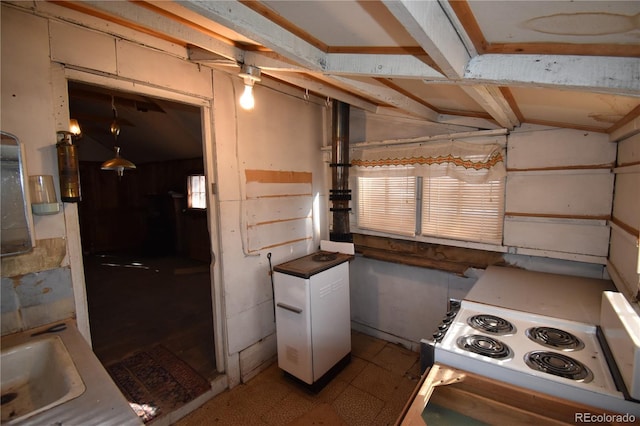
(156, 382)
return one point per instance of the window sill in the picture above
(425, 255)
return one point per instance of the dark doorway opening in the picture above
(146, 255)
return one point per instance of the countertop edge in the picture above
(101, 403)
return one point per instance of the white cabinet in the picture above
(312, 321)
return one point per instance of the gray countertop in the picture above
(102, 403)
(560, 296)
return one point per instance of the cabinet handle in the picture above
(289, 308)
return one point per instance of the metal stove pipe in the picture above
(340, 194)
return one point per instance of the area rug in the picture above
(156, 382)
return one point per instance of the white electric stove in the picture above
(566, 358)
(549, 355)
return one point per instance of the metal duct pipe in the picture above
(340, 194)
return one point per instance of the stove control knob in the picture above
(451, 314)
(447, 320)
(438, 335)
(443, 326)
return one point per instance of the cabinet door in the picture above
(330, 318)
(293, 325)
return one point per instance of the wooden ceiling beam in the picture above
(491, 99)
(398, 66)
(389, 96)
(256, 27)
(618, 76)
(138, 16)
(321, 88)
(431, 27)
(428, 24)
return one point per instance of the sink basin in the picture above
(36, 376)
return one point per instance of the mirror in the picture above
(15, 233)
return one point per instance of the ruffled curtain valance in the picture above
(468, 162)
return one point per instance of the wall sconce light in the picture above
(250, 75)
(68, 167)
(43, 195)
(74, 128)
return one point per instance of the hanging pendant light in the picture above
(117, 163)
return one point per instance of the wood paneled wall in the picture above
(559, 193)
(136, 213)
(624, 255)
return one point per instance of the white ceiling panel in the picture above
(344, 23)
(558, 21)
(583, 109)
(443, 97)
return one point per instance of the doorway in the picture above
(146, 254)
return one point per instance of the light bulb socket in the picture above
(251, 73)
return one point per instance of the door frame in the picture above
(60, 76)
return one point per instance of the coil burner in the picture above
(491, 324)
(554, 338)
(559, 365)
(485, 346)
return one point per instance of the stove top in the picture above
(550, 355)
(311, 264)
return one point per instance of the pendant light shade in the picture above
(118, 164)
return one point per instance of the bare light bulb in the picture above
(246, 100)
(74, 127)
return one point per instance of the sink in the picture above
(36, 376)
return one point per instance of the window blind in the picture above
(452, 208)
(387, 204)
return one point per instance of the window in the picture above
(452, 208)
(449, 190)
(387, 204)
(196, 192)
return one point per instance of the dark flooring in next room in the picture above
(137, 302)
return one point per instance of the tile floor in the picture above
(372, 390)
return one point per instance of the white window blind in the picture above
(459, 194)
(196, 195)
(452, 208)
(387, 204)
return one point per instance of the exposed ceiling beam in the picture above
(398, 66)
(279, 68)
(147, 18)
(612, 75)
(431, 27)
(427, 23)
(493, 101)
(456, 17)
(254, 26)
(317, 86)
(390, 97)
(477, 122)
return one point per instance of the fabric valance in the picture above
(468, 162)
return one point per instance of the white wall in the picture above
(557, 200)
(283, 133)
(624, 255)
(43, 290)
